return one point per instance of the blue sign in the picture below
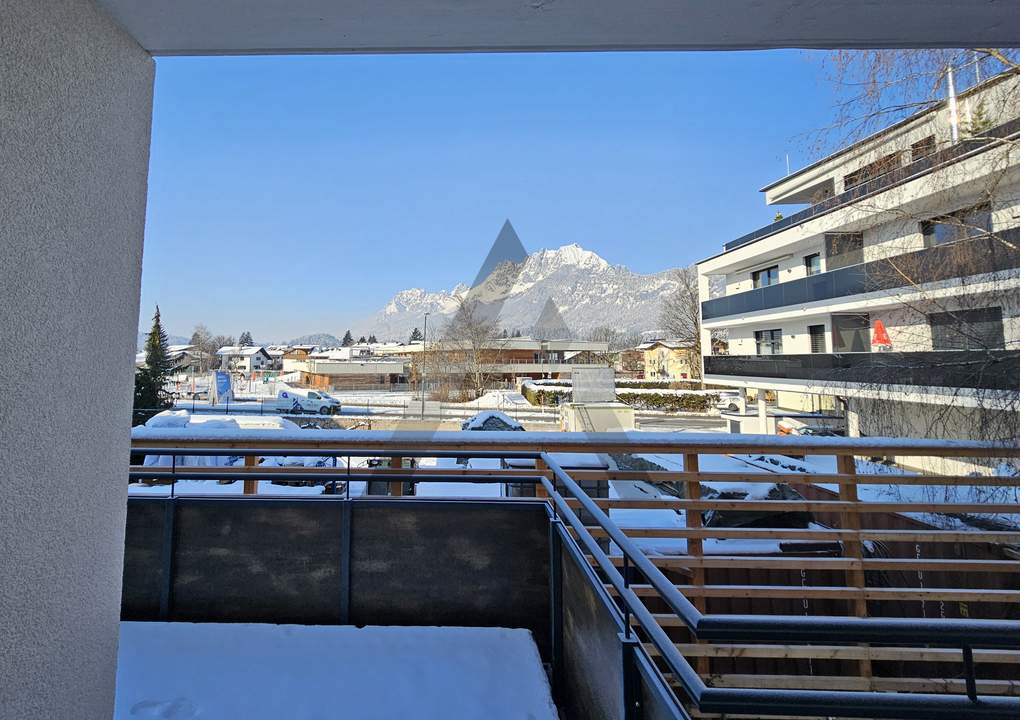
(222, 382)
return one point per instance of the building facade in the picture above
(244, 359)
(667, 360)
(896, 292)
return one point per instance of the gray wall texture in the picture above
(75, 111)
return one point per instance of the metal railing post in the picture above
(346, 513)
(631, 678)
(167, 558)
(556, 606)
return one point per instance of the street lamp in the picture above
(424, 358)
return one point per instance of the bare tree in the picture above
(471, 344)
(681, 315)
(876, 88)
(617, 341)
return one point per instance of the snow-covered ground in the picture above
(212, 671)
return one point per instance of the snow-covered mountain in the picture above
(587, 291)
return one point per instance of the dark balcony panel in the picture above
(143, 567)
(448, 563)
(988, 370)
(851, 280)
(974, 256)
(254, 560)
(796, 293)
(591, 638)
(771, 296)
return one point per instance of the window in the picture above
(843, 249)
(766, 276)
(959, 225)
(769, 342)
(313, 396)
(979, 329)
(851, 333)
(922, 148)
(817, 333)
(813, 264)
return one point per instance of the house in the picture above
(186, 359)
(896, 293)
(667, 360)
(244, 359)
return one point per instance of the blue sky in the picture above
(295, 194)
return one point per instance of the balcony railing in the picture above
(875, 604)
(988, 369)
(974, 256)
(955, 153)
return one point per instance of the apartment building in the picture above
(895, 293)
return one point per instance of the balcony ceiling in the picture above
(215, 27)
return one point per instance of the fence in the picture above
(819, 597)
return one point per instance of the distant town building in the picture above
(244, 359)
(667, 360)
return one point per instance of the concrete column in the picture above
(75, 112)
(763, 418)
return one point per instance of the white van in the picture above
(290, 400)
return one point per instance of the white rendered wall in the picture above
(75, 110)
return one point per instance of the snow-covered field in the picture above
(212, 671)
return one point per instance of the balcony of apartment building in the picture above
(924, 351)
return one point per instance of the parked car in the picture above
(730, 401)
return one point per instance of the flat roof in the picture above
(239, 27)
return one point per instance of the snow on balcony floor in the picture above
(180, 671)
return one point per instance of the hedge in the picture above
(668, 402)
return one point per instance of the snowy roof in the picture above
(491, 420)
(243, 351)
(184, 419)
(671, 344)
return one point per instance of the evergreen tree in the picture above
(362, 340)
(372, 339)
(245, 339)
(150, 381)
(517, 333)
(505, 335)
(415, 336)
(157, 357)
(348, 339)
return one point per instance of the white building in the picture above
(244, 359)
(896, 293)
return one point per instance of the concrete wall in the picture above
(75, 109)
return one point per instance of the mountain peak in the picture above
(572, 254)
(587, 291)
